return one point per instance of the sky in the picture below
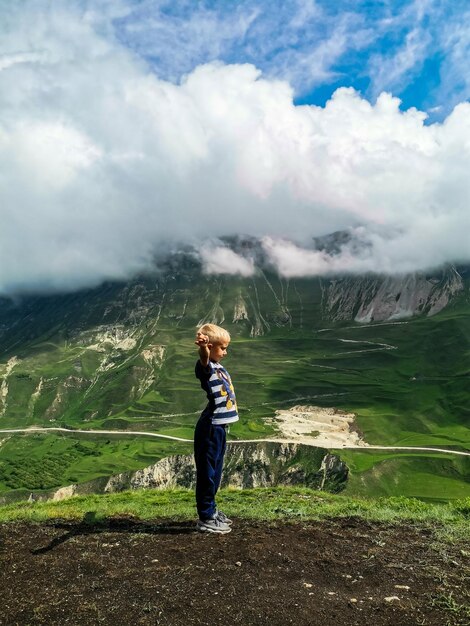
(129, 128)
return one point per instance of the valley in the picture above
(120, 358)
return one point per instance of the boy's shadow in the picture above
(90, 526)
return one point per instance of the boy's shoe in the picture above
(213, 525)
(220, 515)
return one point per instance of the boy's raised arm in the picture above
(204, 348)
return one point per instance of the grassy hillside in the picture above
(43, 461)
(433, 478)
(121, 357)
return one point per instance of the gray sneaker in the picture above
(213, 525)
(220, 515)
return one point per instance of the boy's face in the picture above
(218, 351)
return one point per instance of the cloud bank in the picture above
(102, 164)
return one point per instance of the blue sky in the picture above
(418, 50)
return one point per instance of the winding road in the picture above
(305, 442)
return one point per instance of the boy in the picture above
(211, 429)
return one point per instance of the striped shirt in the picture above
(216, 382)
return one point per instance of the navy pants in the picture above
(209, 450)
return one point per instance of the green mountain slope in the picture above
(121, 357)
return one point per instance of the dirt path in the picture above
(349, 572)
(351, 447)
(308, 441)
(78, 431)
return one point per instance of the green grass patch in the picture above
(430, 477)
(261, 504)
(43, 461)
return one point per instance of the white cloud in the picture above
(223, 260)
(101, 162)
(290, 260)
(7, 60)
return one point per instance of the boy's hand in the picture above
(202, 341)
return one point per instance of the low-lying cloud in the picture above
(102, 163)
(218, 259)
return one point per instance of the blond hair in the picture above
(216, 334)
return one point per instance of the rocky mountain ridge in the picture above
(376, 299)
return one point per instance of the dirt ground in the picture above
(333, 428)
(128, 572)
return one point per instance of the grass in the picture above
(447, 602)
(42, 461)
(452, 521)
(430, 477)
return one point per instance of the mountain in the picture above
(120, 357)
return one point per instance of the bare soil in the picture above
(127, 572)
(333, 428)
